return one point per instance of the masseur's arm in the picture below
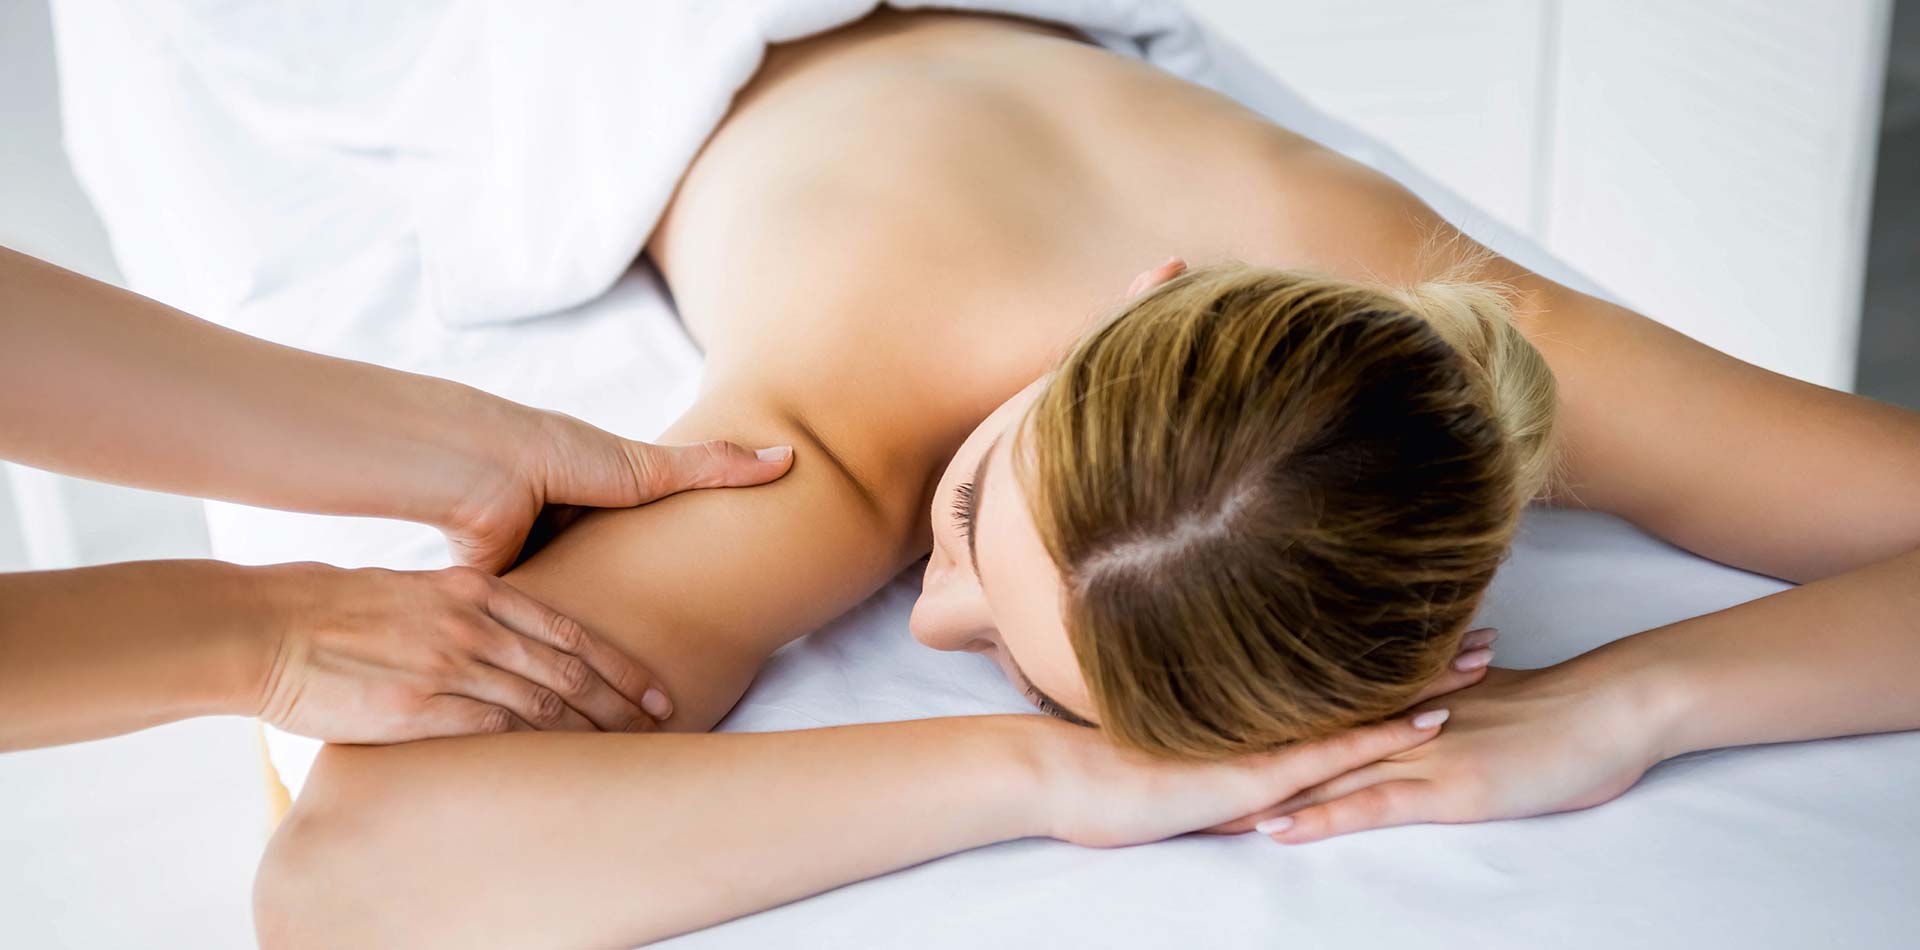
(109, 385)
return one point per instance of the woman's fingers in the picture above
(1469, 665)
(1147, 280)
(1304, 766)
(592, 675)
(1372, 774)
(1398, 802)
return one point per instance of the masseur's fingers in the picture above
(450, 715)
(1149, 279)
(661, 470)
(593, 676)
(1469, 665)
(539, 706)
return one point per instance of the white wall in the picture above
(1710, 161)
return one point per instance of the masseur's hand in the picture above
(1520, 743)
(375, 656)
(1103, 796)
(551, 467)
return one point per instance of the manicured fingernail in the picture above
(1274, 826)
(1475, 639)
(1431, 719)
(656, 704)
(1472, 660)
(778, 453)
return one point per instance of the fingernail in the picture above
(778, 453)
(1475, 639)
(1274, 826)
(1472, 660)
(1431, 719)
(656, 704)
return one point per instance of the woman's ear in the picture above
(1150, 279)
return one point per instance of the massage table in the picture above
(233, 188)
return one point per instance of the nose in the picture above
(951, 613)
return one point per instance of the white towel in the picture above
(529, 149)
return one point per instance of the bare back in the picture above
(904, 222)
(899, 184)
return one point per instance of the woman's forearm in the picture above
(98, 651)
(609, 840)
(109, 385)
(1835, 657)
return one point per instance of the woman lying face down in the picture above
(1255, 506)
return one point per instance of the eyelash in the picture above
(963, 508)
(1046, 705)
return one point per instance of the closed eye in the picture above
(963, 510)
(1048, 706)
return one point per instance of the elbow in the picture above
(304, 893)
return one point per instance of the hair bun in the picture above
(1477, 320)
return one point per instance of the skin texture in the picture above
(924, 235)
(110, 385)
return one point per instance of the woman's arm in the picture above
(1716, 455)
(704, 586)
(1835, 657)
(482, 843)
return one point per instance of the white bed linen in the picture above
(1814, 844)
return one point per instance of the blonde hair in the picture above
(1276, 498)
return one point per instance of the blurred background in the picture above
(1743, 170)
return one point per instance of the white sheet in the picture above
(236, 157)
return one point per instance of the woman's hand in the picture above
(1521, 743)
(551, 467)
(1104, 796)
(375, 656)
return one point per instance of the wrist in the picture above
(263, 646)
(488, 449)
(1654, 694)
(1057, 761)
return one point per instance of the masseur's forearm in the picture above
(103, 650)
(568, 840)
(110, 385)
(1835, 657)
